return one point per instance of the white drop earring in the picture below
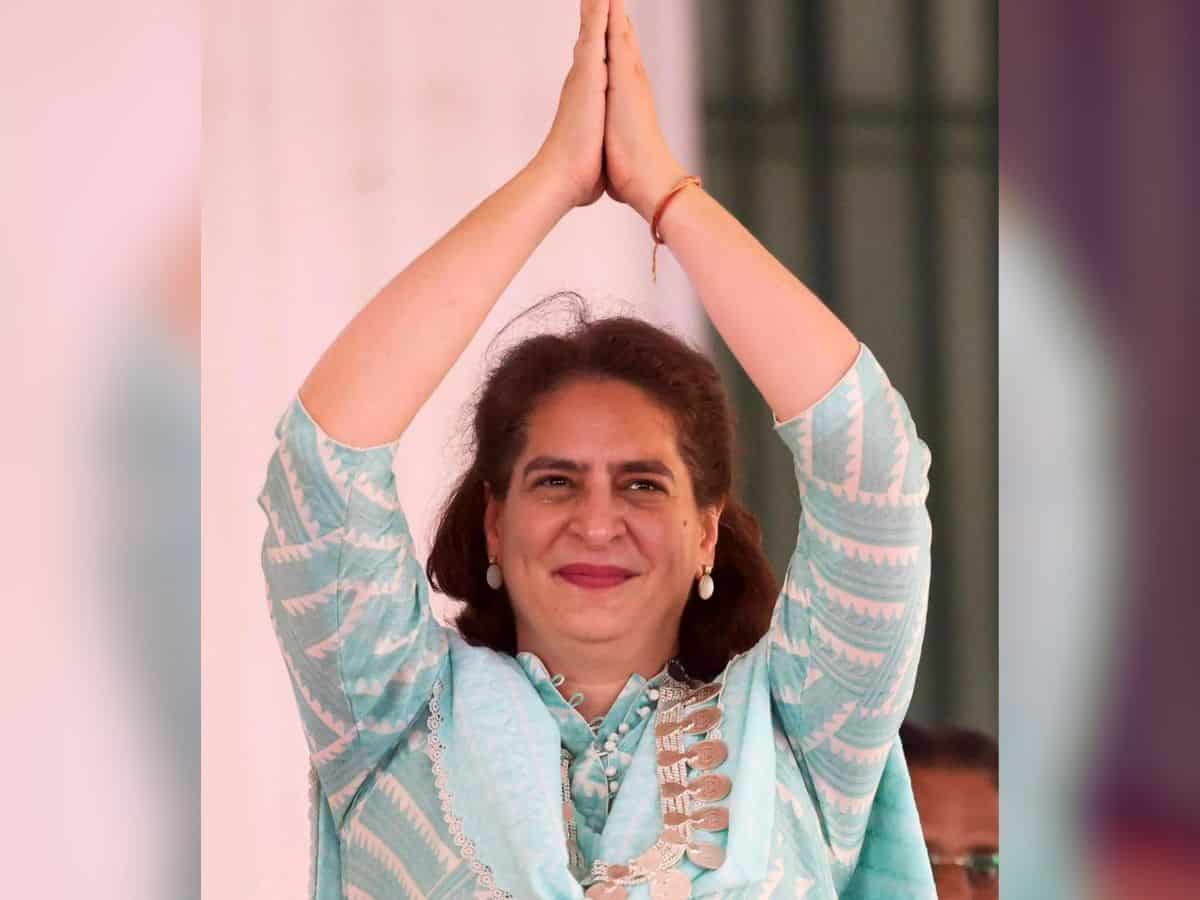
(495, 578)
(705, 586)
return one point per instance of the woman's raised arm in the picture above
(347, 597)
(382, 368)
(846, 633)
(791, 345)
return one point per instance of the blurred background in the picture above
(100, 316)
(857, 141)
(856, 138)
(1099, 440)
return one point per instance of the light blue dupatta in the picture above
(500, 782)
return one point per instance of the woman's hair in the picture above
(686, 385)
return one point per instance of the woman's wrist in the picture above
(655, 188)
(546, 178)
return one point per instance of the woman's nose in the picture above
(598, 517)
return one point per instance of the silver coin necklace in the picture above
(687, 788)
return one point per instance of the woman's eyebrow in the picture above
(558, 463)
(654, 466)
(561, 464)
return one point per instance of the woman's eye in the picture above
(642, 485)
(552, 481)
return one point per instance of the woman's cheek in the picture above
(535, 523)
(652, 531)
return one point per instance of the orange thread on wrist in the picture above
(662, 205)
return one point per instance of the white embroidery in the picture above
(433, 747)
(314, 787)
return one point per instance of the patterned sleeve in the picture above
(348, 600)
(846, 633)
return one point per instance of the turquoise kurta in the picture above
(822, 805)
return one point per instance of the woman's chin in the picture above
(601, 615)
(602, 632)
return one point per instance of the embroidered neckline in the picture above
(576, 732)
(683, 709)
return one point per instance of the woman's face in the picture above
(599, 537)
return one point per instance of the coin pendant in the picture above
(706, 856)
(649, 861)
(675, 835)
(702, 694)
(705, 755)
(666, 729)
(602, 891)
(616, 871)
(710, 788)
(672, 819)
(670, 885)
(702, 720)
(671, 790)
(669, 757)
(711, 818)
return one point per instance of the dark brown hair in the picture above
(687, 386)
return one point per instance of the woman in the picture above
(622, 713)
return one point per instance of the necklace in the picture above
(685, 708)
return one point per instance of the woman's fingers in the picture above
(593, 24)
(639, 166)
(624, 53)
(618, 26)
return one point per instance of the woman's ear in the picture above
(710, 523)
(491, 520)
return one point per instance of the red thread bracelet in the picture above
(662, 205)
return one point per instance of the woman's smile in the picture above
(594, 577)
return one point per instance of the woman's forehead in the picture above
(605, 421)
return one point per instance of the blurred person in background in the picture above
(617, 596)
(956, 781)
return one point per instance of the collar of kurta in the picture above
(575, 732)
(496, 744)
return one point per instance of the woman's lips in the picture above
(594, 577)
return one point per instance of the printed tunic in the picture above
(372, 670)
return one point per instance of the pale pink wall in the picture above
(99, 161)
(339, 141)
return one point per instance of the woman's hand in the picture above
(573, 151)
(640, 168)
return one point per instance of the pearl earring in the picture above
(705, 586)
(494, 576)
